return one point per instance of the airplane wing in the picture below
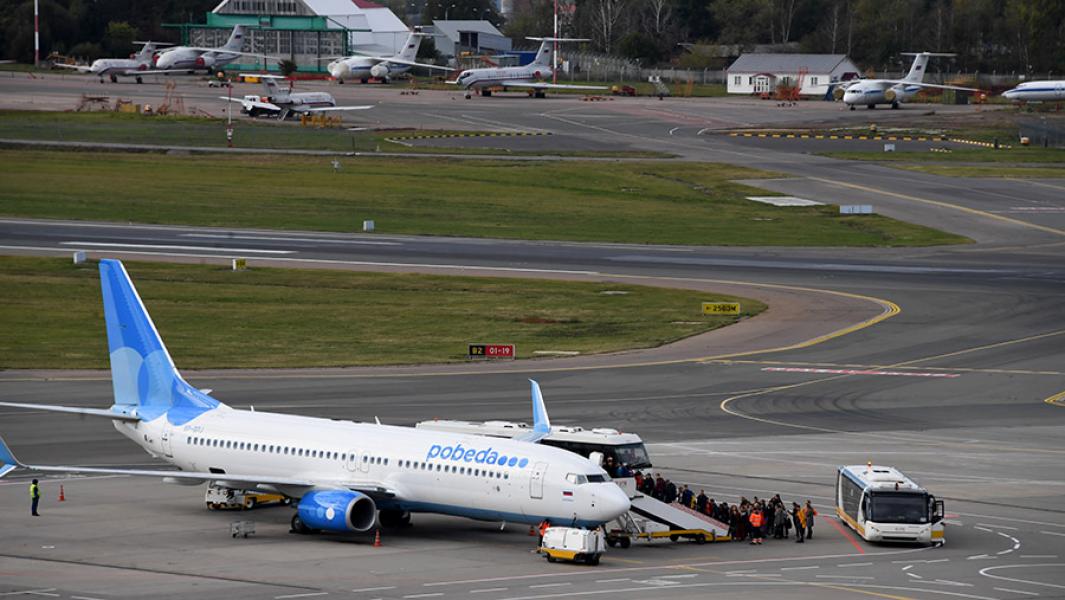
(224, 52)
(166, 71)
(8, 463)
(409, 63)
(929, 85)
(537, 85)
(333, 108)
(250, 104)
(541, 423)
(92, 412)
(78, 68)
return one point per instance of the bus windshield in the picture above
(633, 455)
(892, 507)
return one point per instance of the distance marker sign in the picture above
(721, 308)
(487, 351)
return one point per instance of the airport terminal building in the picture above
(308, 32)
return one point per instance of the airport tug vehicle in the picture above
(883, 505)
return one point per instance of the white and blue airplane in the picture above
(1037, 91)
(343, 476)
(531, 77)
(870, 92)
(135, 66)
(365, 66)
(190, 59)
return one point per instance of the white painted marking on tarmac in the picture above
(374, 589)
(611, 580)
(914, 575)
(997, 526)
(857, 372)
(985, 572)
(1010, 591)
(949, 582)
(1039, 556)
(865, 564)
(19, 593)
(1053, 533)
(307, 595)
(173, 247)
(688, 576)
(983, 529)
(84, 598)
(799, 568)
(907, 567)
(432, 595)
(486, 590)
(671, 131)
(549, 585)
(842, 577)
(268, 238)
(978, 557)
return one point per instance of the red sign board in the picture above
(491, 351)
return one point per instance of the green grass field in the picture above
(126, 128)
(653, 203)
(212, 317)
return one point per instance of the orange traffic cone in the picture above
(532, 530)
(62, 497)
(377, 539)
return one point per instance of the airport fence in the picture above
(588, 66)
(1041, 132)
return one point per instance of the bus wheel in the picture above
(625, 542)
(674, 538)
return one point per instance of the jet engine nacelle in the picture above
(337, 510)
(890, 95)
(205, 62)
(838, 92)
(339, 69)
(380, 71)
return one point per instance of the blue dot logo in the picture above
(523, 462)
(513, 461)
(502, 461)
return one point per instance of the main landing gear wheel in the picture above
(625, 542)
(852, 107)
(299, 527)
(139, 80)
(895, 105)
(871, 106)
(114, 79)
(394, 518)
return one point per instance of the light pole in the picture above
(36, 34)
(446, 11)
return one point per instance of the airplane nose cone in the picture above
(612, 502)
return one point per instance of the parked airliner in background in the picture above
(870, 92)
(528, 77)
(1037, 91)
(341, 473)
(364, 66)
(114, 68)
(281, 103)
(189, 59)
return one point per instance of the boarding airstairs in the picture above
(651, 519)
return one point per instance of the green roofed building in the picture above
(308, 32)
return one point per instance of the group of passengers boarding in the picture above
(748, 520)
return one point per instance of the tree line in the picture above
(1022, 36)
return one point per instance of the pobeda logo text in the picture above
(458, 453)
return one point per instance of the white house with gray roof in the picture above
(762, 73)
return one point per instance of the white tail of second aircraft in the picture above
(920, 64)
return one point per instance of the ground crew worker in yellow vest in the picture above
(35, 497)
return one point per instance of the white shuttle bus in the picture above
(623, 448)
(883, 505)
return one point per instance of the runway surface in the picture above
(958, 388)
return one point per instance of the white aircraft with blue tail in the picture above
(343, 476)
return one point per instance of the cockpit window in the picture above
(581, 479)
(597, 479)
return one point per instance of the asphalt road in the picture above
(957, 388)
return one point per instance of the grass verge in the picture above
(654, 203)
(174, 130)
(211, 317)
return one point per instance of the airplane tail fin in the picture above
(543, 55)
(541, 423)
(236, 39)
(146, 383)
(410, 50)
(8, 462)
(920, 64)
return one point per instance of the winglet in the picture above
(8, 462)
(541, 423)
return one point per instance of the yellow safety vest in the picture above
(35, 491)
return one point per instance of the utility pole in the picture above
(554, 49)
(36, 34)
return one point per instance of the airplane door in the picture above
(357, 462)
(164, 439)
(536, 480)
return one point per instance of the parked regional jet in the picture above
(363, 67)
(187, 59)
(281, 103)
(527, 77)
(1037, 91)
(341, 473)
(134, 66)
(871, 92)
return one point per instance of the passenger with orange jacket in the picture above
(798, 515)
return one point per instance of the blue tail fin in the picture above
(145, 381)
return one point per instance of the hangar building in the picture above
(762, 73)
(305, 31)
